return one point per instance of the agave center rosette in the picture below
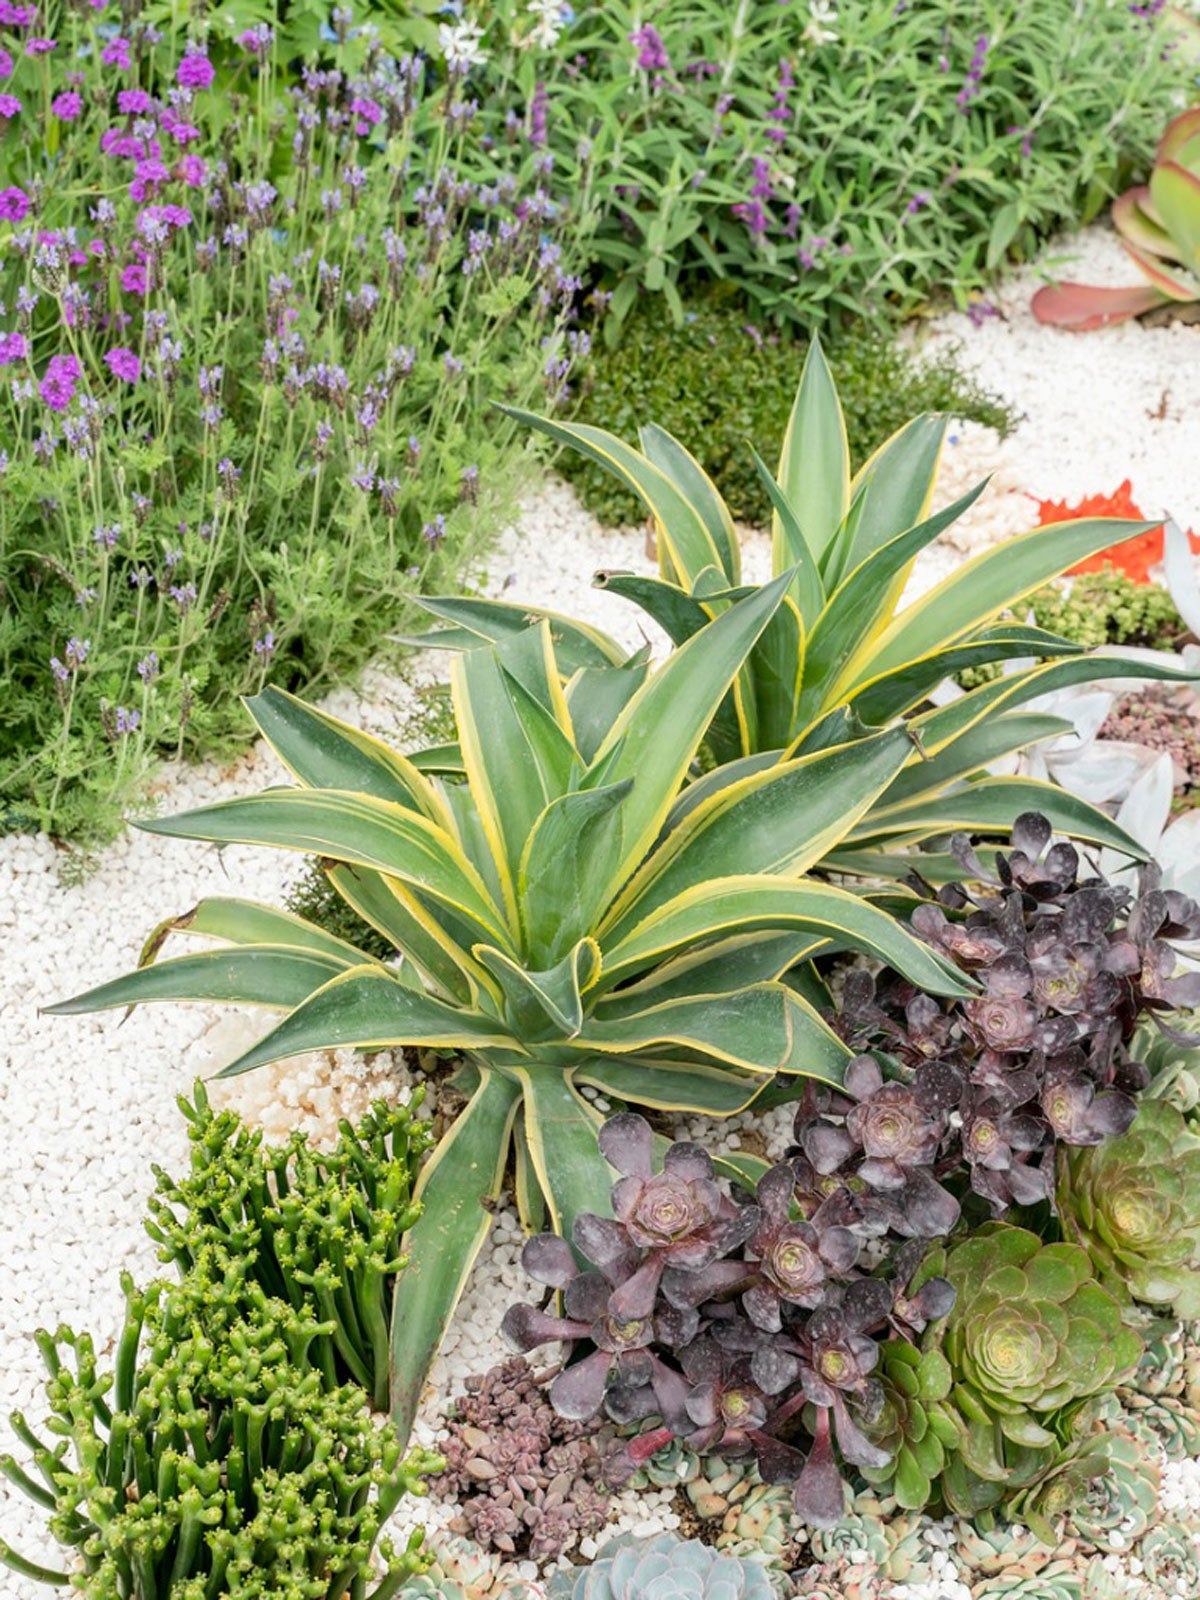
(566, 920)
(845, 652)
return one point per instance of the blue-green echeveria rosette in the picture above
(1134, 1205)
(664, 1568)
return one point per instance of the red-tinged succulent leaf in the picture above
(627, 1144)
(1081, 307)
(1171, 285)
(549, 1260)
(1180, 131)
(1133, 219)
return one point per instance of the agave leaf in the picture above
(814, 467)
(262, 975)
(367, 1008)
(780, 820)
(980, 589)
(899, 479)
(475, 622)
(690, 478)
(354, 828)
(247, 922)
(807, 590)
(546, 1004)
(670, 1085)
(660, 729)
(457, 1189)
(596, 696)
(678, 613)
(854, 610)
(684, 537)
(571, 858)
(990, 806)
(763, 1028)
(560, 1132)
(322, 752)
(518, 754)
(980, 745)
(747, 903)
(398, 914)
(714, 969)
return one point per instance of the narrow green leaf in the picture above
(576, 644)
(670, 1085)
(560, 1130)
(263, 975)
(457, 1188)
(814, 465)
(690, 478)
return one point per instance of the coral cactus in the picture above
(1134, 1206)
(527, 1480)
(665, 1568)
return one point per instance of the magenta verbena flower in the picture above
(123, 364)
(14, 347)
(14, 204)
(117, 54)
(195, 71)
(10, 107)
(67, 106)
(58, 386)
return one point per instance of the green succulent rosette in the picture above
(1134, 1205)
(916, 1425)
(1031, 1337)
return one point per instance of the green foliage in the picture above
(298, 435)
(1134, 1204)
(317, 1228)
(1031, 1336)
(825, 169)
(721, 384)
(1101, 608)
(214, 1458)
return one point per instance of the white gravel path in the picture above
(88, 1103)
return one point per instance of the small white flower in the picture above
(548, 21)
(461, 45)
(822, 25)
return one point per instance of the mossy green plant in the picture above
(719, 380)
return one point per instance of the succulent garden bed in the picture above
(699, 1099)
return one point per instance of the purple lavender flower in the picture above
(107, 536)
(970, 90)
(434, 532)
(147, 667)
(127, 720)
(265, 646)
(652, 52)
(539, 107)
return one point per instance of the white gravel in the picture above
(88, 1103)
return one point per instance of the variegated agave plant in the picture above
(842, 655)
(565, 915)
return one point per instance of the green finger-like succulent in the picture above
(664, 1568)
(916, 1425)
(1134, 1205)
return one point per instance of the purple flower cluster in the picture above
(972, 84)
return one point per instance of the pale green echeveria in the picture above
(1134, 1205)
(666, 1568)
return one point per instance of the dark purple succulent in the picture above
(756, 1331)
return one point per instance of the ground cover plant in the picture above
(250, 328)
(827, 160)
(547, 977)
(719, 379)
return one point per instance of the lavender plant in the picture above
(827, 160)
(249, 330)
